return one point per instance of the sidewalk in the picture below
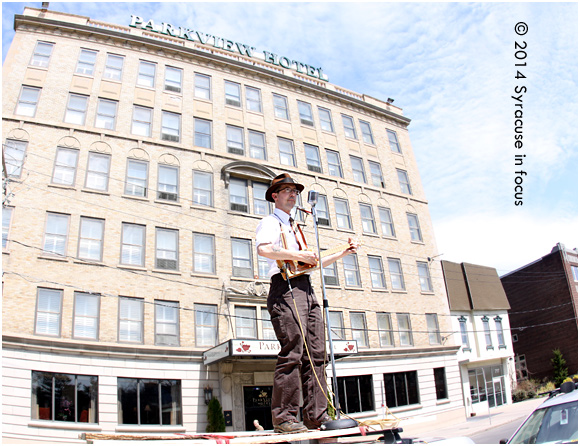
(462, 427)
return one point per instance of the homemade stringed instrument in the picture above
(292, 268)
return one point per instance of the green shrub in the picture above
(216, 421)
(560, 371)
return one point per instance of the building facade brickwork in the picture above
(136, 167)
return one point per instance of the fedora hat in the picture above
(279, 182)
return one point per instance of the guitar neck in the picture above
(334, 250)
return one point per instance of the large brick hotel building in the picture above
(137, 156)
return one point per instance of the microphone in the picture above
(312, 198)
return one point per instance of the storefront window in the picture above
(149, 401)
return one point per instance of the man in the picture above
(277, 239)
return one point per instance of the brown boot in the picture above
(290, 427)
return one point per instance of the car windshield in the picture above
(555, 424)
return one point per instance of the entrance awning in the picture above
(265, 348)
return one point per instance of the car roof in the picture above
(560, 399)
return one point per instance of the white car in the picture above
(553, 421)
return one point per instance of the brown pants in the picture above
(293, 368)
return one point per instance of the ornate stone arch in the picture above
(247, 170)
(364, 198)
(18, 134)
(169, 159)
(69, 142)
(139, 154)
(203, 166)
(101, 147)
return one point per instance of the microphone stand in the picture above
(326, 313)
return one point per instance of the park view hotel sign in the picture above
(227, 45)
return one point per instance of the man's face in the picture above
(285, 198)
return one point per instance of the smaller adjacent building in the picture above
(543, 297)
(479, 317)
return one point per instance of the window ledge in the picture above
(132, 267)
(348, 138)
(246, 214)
(254, 112)
(390, 237)
(149, 428)
(64, 425)
(49, 257)
(246, 279)
(204, 275)
(61, 186)
(466, 349)
(370, 144)
(170, 203)
(371, 234)
(379, 290)
(428, 293)
(348, 231)
(490, 347)
(177, 94)
(502, 347)
(332, 287)
(350, 288)
(94, 191)
(6, 252)
(201, 207)
(167, 271)
(418, 242)
(406, 408)
(399, 291)
(443, 401)
(88, 262)
(135, 197)
(328, 132)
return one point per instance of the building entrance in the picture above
(257, 406)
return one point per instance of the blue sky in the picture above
(451, 68)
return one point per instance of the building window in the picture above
(106, 114)
(351, 272)
(393, 141)
(574, 269)
(253, 99)
(368, 219)
(233, 94)
(396, 273)
(141, 123)
(334, 165)
(281, 107)
(358, 324)
(342, 214)
(130, 320)
(205, 325)
(414, 227)
(487, 331)
(146, 75)
(464, 335)
(246, 323)
(261, 206)
(168, 183)
(56, 234)
(313, 158)
(91, 239)
(325, 119)
(167, 249)
(348, 124)
(27, 101)
(132, 244)
(202, 188)
(257, 145)
(401, 389)
(170, 126)
(385, 330)
(6, 220)
(136, 180)
(65, 166)
(98, 166)
(440, 383)
(305, 111)
(238, 195)
(355, 393)
(433, 329)
(202, 133)
(203, 253)
(376, 174)
(41, 54)
(477, 385)
(404, 182)
(86, 62)
(48, 312)
(387, 225)
(76, 109)
(424, 277)
(235, 140)
(14, 154)
(202, 86)
(64, 397)
(263, 268)
(286, 147)
(358, 171)
(499, 330)
(405, 332)
(377, 273)
(242, 258)
(166, 323)
(86, 316)
(173, 79)
(331, 275)
(267, 327)
(323, 217)
(149, 401)
(521, 367)
(367, 133)
(113, 67)
(336, 325)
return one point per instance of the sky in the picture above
(452, 68)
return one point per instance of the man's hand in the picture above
(308, 257)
